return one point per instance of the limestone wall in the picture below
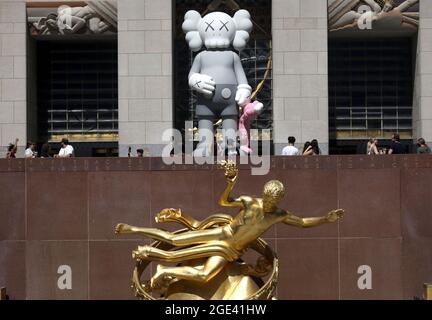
(300, 96)
(145, 73)
(12, 74)
(422, 106)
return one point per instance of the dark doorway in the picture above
(77, 93)
(370, 91)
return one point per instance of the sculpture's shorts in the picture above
(221, 104)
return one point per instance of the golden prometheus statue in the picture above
(208, 254)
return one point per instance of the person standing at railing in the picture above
(423, 148)
(396, 147)
(290, 149)
(372, 146)
(30, 152)
(66, 150)
(12, 149)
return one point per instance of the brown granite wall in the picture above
(63, 212)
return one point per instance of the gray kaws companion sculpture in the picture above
(217, 73)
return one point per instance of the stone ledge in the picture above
(408, 161)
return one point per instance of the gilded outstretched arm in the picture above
(225, 199)
(231, 174)
(332, 216)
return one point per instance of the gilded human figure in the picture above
(220, 239)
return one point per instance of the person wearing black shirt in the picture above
(45, 151)
(396, 147)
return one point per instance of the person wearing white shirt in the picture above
(30, 151)
(290, 150)
(66, 150)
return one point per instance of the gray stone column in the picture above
(145, 73)
(12, 75)
(300, 72)
(422, 104)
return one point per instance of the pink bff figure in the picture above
(250, 113)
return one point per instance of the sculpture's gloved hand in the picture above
(243, 94)
(202, 83)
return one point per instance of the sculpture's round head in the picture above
(217, 30)
(273, 192)
(388, 5)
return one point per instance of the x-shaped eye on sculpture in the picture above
(224, 25)
(209, 25)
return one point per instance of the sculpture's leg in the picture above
(199, 251)
(206, 137)
(182, 239)
(346, 19)
(211, 268)
(103, 27)
(178, 216)
(229, 125)
(245, 148)
(406, 5)
(78, 23)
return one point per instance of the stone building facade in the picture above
(145, 73)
